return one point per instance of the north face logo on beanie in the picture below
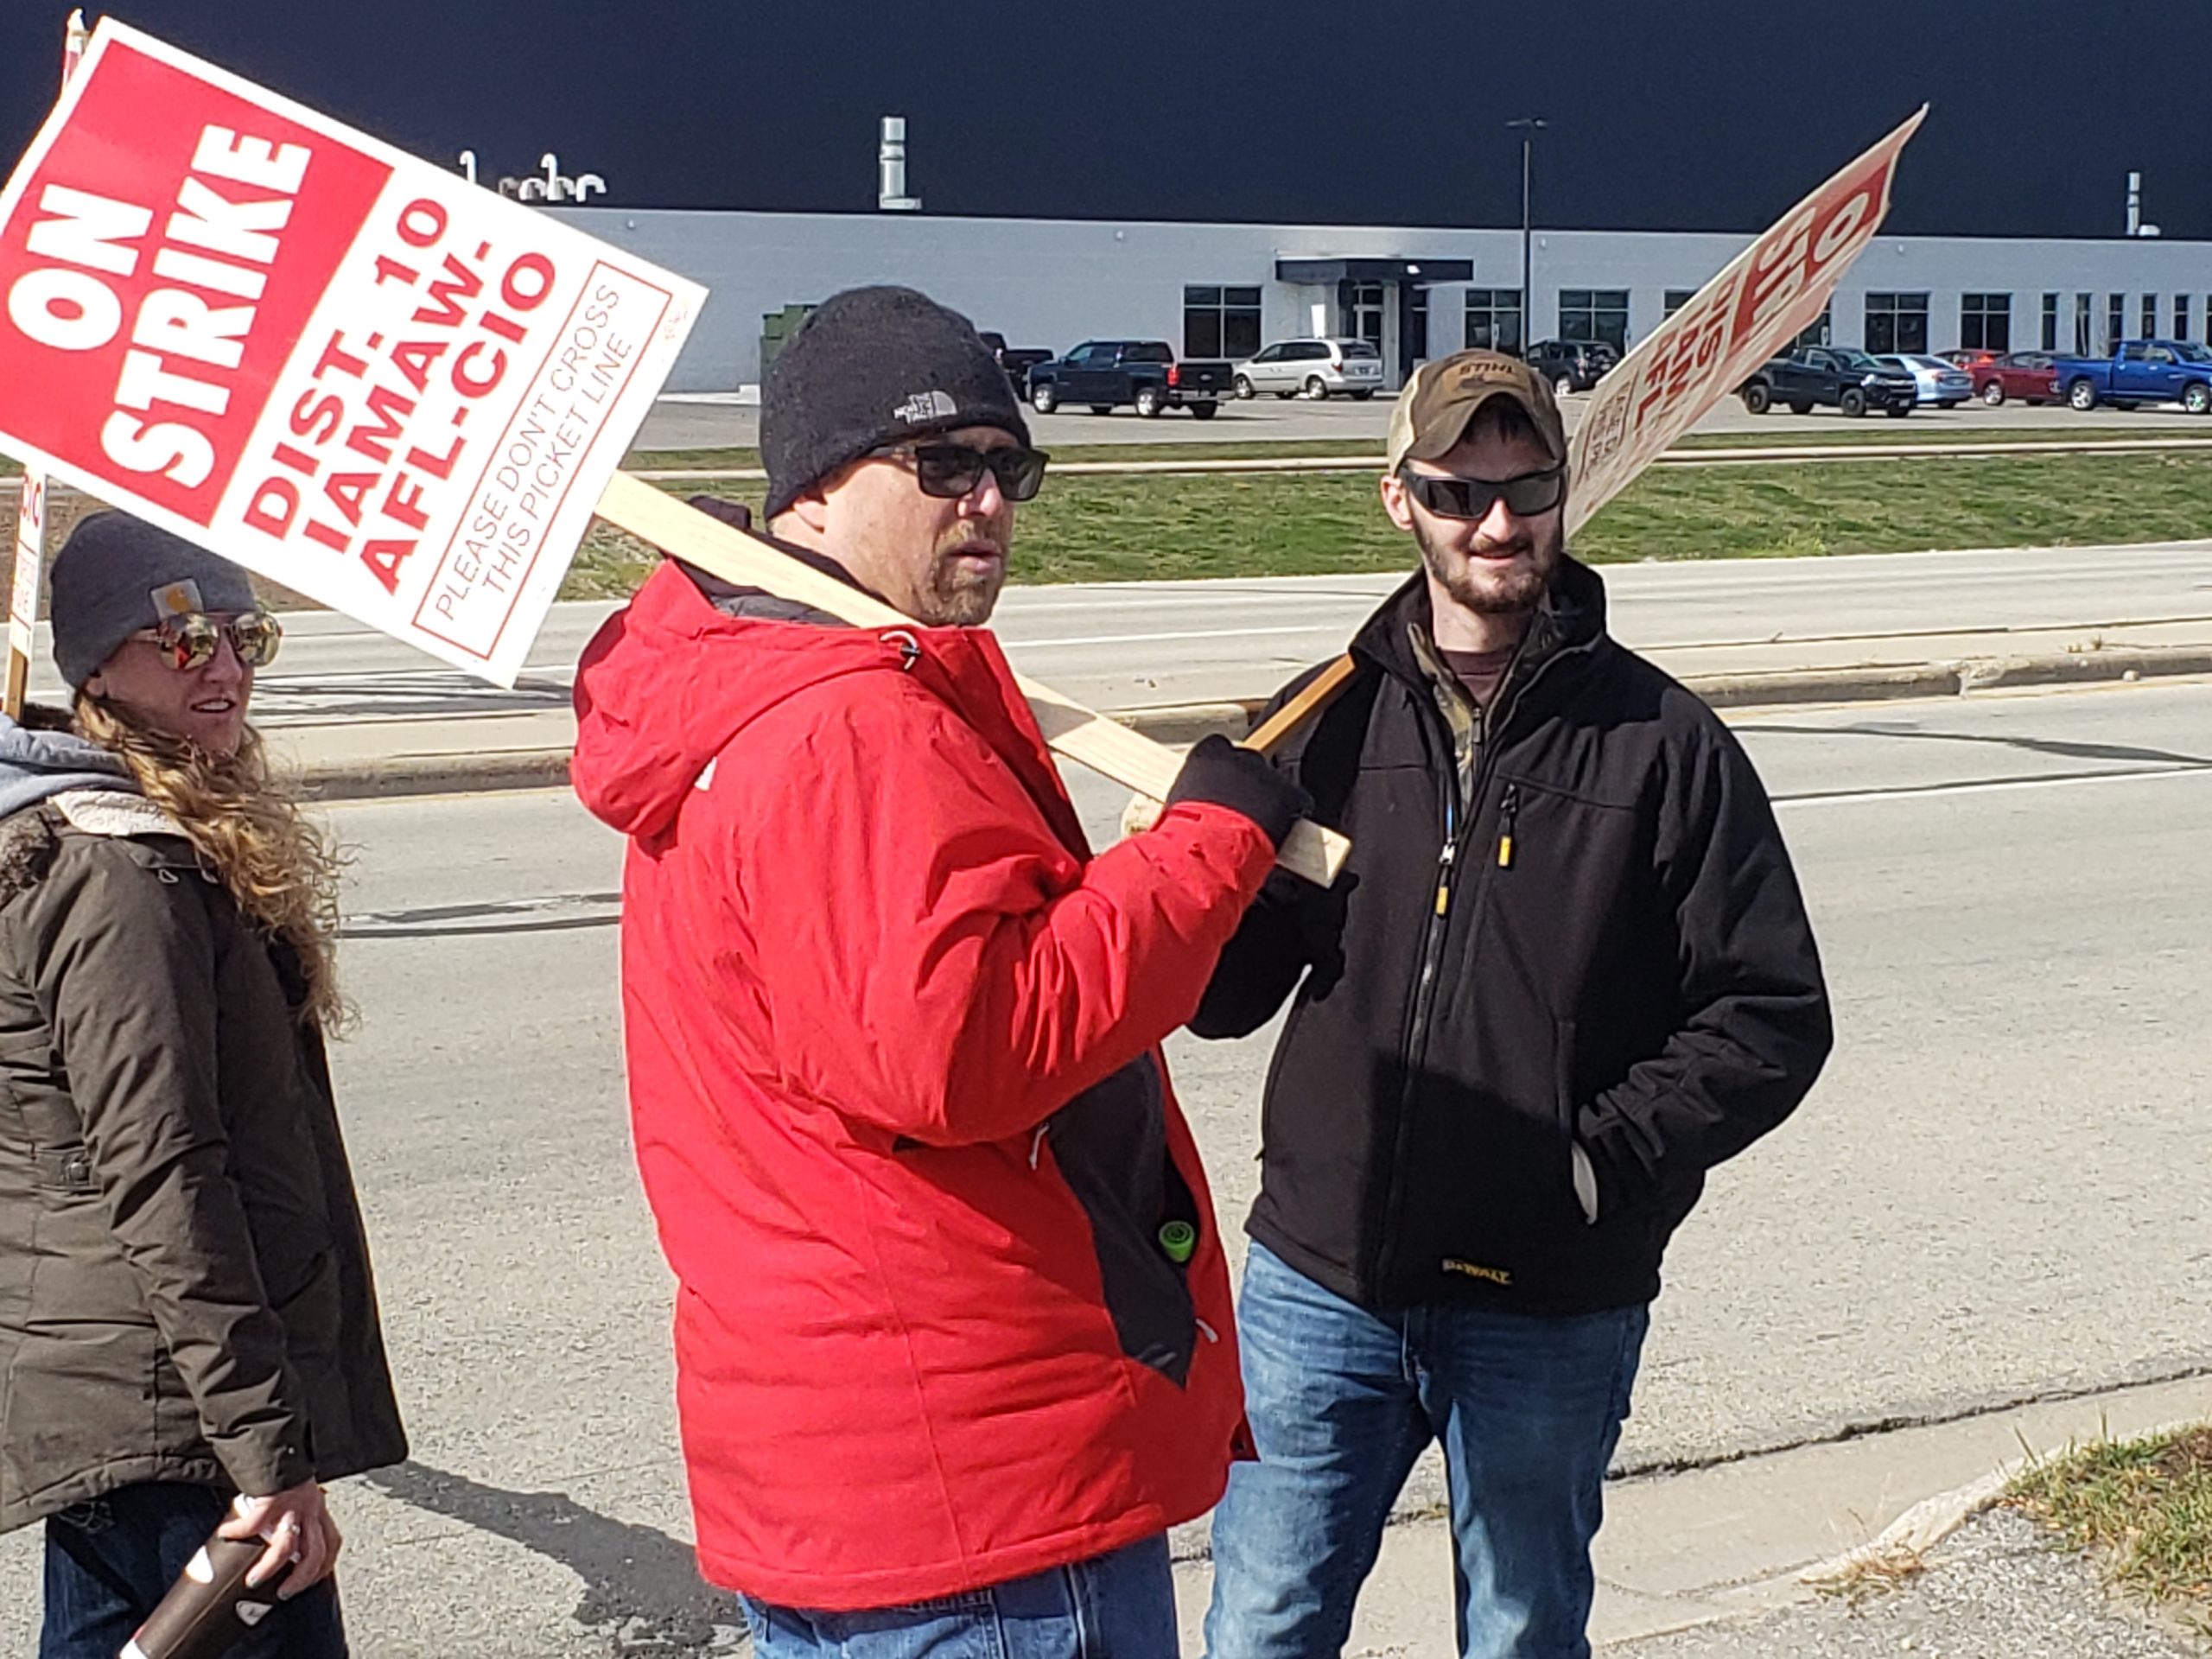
(926, 406)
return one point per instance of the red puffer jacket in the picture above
(899, 1106)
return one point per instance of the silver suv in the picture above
(1315, 368)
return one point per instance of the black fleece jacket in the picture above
(1598, 941)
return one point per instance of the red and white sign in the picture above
(339, 366)
(1768, 294)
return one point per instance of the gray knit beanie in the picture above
(869, 367)
(117, 575)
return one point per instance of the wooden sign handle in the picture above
(1072, 731)
(1320, 692)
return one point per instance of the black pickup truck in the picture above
(1831, 377)
(1016, 360)
(1105, 374)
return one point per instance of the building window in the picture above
(2149, 316)
(1897, 322)
(2181, 316)
(1221, 322)
(1359, 312)
(1594, 313)
(1820, 332)
(1679, 297)
(1494, 320)
(2050, 322)
(1985, 322)
(2081, 325)
(2115, 322)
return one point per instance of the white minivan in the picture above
(1314, 368)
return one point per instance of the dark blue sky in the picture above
(1693, 114)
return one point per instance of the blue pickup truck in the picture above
(2141, 372)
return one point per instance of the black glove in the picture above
(1223, 774)
(735, 514)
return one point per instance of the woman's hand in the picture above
(298, 1527)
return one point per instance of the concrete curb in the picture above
(1929, 1521)
(374, 776)
(371, 777)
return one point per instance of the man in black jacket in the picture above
(1567, 972)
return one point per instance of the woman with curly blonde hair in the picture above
(188, 1328)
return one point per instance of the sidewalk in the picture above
(1717, 1552)
(407, 747)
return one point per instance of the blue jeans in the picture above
(111, 1560)
(1342, 1400)
(1116, 1606)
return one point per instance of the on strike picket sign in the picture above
(1768, 294)
(342, 367)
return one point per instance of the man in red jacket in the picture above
(953, 1339)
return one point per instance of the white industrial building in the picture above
(1222, 291)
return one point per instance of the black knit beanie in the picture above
(872, 366)
(117, 575)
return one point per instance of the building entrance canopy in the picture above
(1375, 271)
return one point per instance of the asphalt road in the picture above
(1127, 644)
(1995, 1192)
(694, 422)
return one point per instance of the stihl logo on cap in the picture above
(177, 599)
(926, 406)
(1471, 372)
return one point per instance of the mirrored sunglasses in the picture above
(190, 641)
(1472, 497)
(949, 471)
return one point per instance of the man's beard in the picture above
(955, 595)
(1482, 591)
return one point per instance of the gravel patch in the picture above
(1999, 1589)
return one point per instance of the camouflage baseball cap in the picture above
(1433, 409)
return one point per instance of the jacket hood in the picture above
(37, 764)
(670, 680)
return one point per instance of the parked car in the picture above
(1830, 377)
(2027, 376)
(2141, 372)
(1016, 360)
(1318, 369)
(1573, 365)
(1105, 374)
(1941, 384)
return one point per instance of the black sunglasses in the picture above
(1472, 497)
(191, 640)
(950, 471)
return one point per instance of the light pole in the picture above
(1527, 127)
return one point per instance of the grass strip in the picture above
(1164, 528)
(2143, 1506)
(1940, 428)
(1933, 429)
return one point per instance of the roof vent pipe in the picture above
(891, 195)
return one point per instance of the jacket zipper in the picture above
(1508, 813)
(1416, 1042)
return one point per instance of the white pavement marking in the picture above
(1995, 786)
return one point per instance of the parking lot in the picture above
(708, 423)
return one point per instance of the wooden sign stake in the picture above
(1074, 732)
